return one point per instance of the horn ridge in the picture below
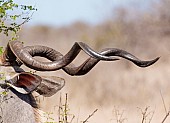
(59, 61)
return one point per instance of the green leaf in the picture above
(13, 16)
(4, 93)
(1, 50)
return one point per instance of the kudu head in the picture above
(22, 84)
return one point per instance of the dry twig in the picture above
(146, 114)
(90, 116)
(119, 115)
(167, 112)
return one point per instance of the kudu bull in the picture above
(19, 105)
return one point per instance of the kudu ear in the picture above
(25, 83)
(50, 85)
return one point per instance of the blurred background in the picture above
(139, 27)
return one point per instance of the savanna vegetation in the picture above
(120, 91)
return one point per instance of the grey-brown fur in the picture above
(15, 107)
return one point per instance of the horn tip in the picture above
(148, 63)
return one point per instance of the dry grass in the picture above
(119, 83)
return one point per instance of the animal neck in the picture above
(16, 107)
